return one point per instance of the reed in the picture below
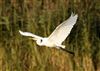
(18, 53)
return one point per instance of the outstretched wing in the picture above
(30, 35)
(63, 30)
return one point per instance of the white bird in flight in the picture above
(57, 36)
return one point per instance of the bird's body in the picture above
(58, 36)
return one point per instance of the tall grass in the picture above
(18, 53)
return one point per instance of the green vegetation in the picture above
(18, 53)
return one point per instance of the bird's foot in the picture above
(67, 51)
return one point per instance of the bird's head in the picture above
(40, 42)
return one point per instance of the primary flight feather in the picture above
(63, 30)
(57, 36)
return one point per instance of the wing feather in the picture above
(29, 34)
(63, 30)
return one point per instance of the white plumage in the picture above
(57, 36)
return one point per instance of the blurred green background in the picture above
(18, 53)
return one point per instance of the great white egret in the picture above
(58, 36)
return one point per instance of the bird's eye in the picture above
(41, 40)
